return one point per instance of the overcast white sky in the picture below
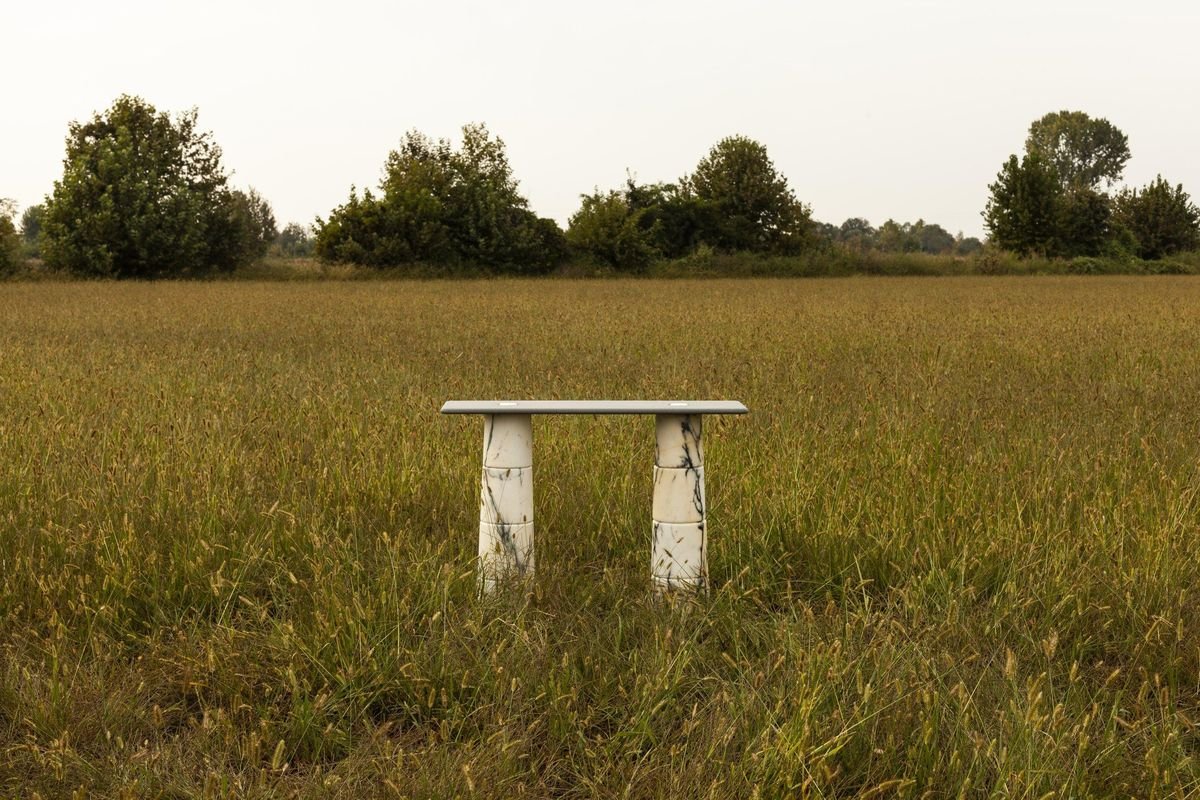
(877, 108)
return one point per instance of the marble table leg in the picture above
(678, 554)
(506, 499)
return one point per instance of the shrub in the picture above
(1083, 223)
(10, 241)
(1022, 213)
(31, 228)
(443, 206)
(295, 241)
(242, 230)
(746, 203)
(606, 230)
(1162, 219)
(144, 195)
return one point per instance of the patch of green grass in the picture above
(952, 547)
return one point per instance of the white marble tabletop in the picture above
(593, 407)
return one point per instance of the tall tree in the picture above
(1084, 152)
(10, 240)
(933, 238)
(1022, 213)
(610, 230)
(1084, 217)
(857, 232)
(242, 229)
(752, 207)
(142, 195)
(295, 241)
(895, 237)
(1162, 219)
(31, 227)
(443, 206)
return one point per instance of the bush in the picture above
(144, 195)
(242, 230)
(31, 228)
(1162, 220)
(606, 230)
(1023, 213)
(1083, 223)
(1086, 266)
(295, 241)
(746, 204)
(10, 241)
(443, 206)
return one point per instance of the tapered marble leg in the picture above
(678, 556)
(506, 499)
(504, 551)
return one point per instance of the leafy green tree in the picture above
(676, 220)
(631, 227)
(262, 221)
(857, 233)
(295, 241)
(242, 229)
(489, 220)
(1022, 213)
(932, 238)
(142, 195)
(824, 234)
(548, 246)
(1162, 219)
(361, 231)
(443, 206)
(967, 246)
(1083, 151)
(607, 229)
(10, 240)
(895, 237)
(31, 228)
(745, 202)
(1084, 218)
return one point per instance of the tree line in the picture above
(145, 194)
(1052, 200)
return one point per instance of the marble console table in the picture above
(678, 557)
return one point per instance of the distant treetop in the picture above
(1083, 151)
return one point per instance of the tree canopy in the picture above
(444, 206)
(1050, 202)
(1022, 211)
(144, 195)
(10, 240)
(1161, 218)
(751, 205)
(1083, 151)
(31, 227)
(857, 234)
(611, 231)
(734, 201)
(295, 241)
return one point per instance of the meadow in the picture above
(952, 547)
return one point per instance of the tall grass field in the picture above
(954, 547)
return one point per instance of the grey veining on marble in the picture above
(679, 547)
(678, 557)
(507, 440)
(506, 496)
(678, 441)
(506, 500)
(593, 407)
(505, 551)
(678, 494)
(679, 560)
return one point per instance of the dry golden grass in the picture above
(953, 546)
